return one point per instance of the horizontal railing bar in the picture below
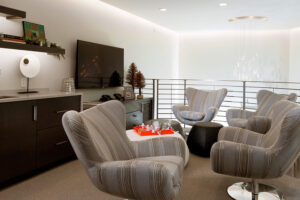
(170, 99)
(240, 86)
(170, 84)
(276, 88)
(169, 89)
(236, 81)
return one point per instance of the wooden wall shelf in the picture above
(27, 47)
(11, 13)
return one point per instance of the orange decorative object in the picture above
(143, 132)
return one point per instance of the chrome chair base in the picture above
(243, 191)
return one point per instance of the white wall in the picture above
(214, 55)
(153, 48)
(158, 52)
(295, 55)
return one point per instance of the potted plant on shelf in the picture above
(140, 83)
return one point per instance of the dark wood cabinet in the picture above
(17, 139)
(32, 136)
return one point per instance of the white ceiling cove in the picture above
(207, 15)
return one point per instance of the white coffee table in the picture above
(133, 136)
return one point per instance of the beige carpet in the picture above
(69, 182)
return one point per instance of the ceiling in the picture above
(207, 15)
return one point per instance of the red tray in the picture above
(142, 132)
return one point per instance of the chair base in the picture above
(243, 191)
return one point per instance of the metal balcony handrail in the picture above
(241, 94)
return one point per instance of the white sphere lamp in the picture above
(30, 68)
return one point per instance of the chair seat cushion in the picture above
(238, 122)
(191, 115)
(174, 164)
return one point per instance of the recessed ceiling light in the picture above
(163, 9)
(248, 17)
(223, 4)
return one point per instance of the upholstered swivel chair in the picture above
(243, 153)
(150, 169)
(202, 106)
(260, 120)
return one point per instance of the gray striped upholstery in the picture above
(193, 116)
(202, 106)
(259, 121)
(244, 153)
(120, 167)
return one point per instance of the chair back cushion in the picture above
(266, 99)
(201, 100)
(285, 141)
(279, 111)
(80, 139)
(102, 128)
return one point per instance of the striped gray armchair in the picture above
(260, 120)
(202, 106)
(149, 169)
(243, 153)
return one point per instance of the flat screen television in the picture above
(98, 66)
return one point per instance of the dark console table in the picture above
(137, 111)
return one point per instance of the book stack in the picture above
(13, 39)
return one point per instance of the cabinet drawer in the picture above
(52, 145)
(50, 111)
(134, 119)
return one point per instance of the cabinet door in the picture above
(17, 139)
(147, 111)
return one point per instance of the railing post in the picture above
(154, 96)
(184, 85)
(244, 95)
(157, 98)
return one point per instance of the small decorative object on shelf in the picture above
(140, 83)
(34, 33)
(1, 36)
(13, 39)
(128, 93)
(68, 85)
(58, 55)
(130, 78)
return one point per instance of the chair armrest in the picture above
(161, 146)
(240, 135)
(178, 108)
(141, 178)
(241, 160)
(210, 114)
(238, 113)
(259, 124)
